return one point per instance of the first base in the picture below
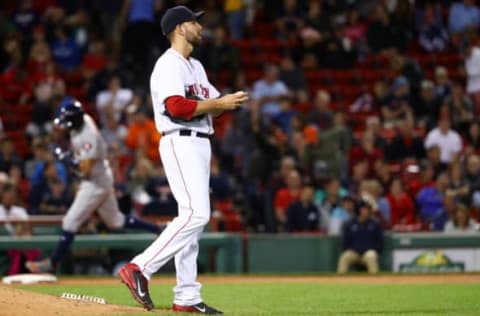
(29, 278)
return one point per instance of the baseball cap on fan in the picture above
(177, 15)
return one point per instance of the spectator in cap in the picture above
(398, 103)
(362, 240)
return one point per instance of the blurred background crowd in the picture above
(350, 99)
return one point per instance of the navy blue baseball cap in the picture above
(177, 15)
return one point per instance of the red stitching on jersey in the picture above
(189, 218)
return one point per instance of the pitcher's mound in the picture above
(25, 303)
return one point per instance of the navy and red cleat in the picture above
(200, 308)
(137, 284)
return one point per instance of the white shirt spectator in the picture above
(451, 228)
(115, 103)
(472, 67)
(448, 141)
(15, 212)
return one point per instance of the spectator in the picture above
(114, 134)
(285, 116)
(236, 18)
(47, 89)
(317, 22)
(138, 177)
(402, 207)
(289, 19)
(328, 199)
(279, 177)
(218, 55)
(434, 160)
(40, 56)
(443, 84)
(463, 19)
(113, 100)
(366, 150)
(430, 203)
(427, 107)
(267, 91)
(398, 104)
(212, 18)
(406, 144)
(362, 240)
(381, 31)
(142, 135)
(303, 215)
(162, 202)
(294, 78)
(322, 156)
(472, 138)
(402, 65)
(286, 196)
(8, 156)
(433, 36)
(458, 184)
(341, 214)
(65, 50)
(56, 199)
(220, 184)
(446, 139)
(321, 114)
(46, 173)
(24, 19)
(137, 24)
(461, 221)
(472, 176)
(472, 69)
(355, 31)
(9, 209)
(460, 107)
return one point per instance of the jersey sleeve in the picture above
(167, 80)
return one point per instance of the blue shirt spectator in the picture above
(65, 50)
(463, 15)
(361, 236)
(430, 202)
(141, 10)
(303, 215)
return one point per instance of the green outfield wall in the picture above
(287, 253)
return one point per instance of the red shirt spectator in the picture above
(402, 208)
(366, 151)
(285, 196)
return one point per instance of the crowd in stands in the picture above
(372, 100)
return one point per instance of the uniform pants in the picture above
(186, 161)
(350, 257)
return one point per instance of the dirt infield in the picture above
(19, 302)
(25, 303)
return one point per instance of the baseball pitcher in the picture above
(184, 103)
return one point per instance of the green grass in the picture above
(305, 298)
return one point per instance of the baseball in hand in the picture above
(241, 93)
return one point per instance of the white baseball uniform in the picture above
(185, 154)
(95, 193)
